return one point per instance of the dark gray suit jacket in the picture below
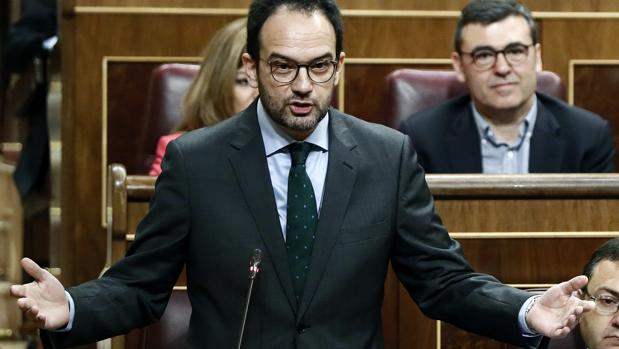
(214, 205)
(565, 139)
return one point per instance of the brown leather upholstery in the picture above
(411, 90)
(168, 84)
(171, 330)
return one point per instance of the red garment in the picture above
(155, 168)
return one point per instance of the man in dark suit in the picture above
(599, 329)
(503, 125)
(250, 182)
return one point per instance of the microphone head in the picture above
(254, 263)
(257, 257)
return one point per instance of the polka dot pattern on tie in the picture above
(301, 216)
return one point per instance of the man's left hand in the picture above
(558, 310)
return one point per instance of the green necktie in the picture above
(301, 216)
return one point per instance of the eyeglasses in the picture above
(605, 304)
(286, 71)
(485, 58)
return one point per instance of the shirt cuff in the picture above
(522, 317)
(69, 325)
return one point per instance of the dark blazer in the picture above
(214, 204)
(565, 138)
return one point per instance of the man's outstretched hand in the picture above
(43, 300)
(558, 310)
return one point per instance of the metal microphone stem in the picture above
(251, 285)
(254, 268)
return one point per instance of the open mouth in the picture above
(301, 108)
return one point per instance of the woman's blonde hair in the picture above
(209, 98)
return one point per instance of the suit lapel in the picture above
(463, 144)
(250, 166)
(547, 147)
(339, 182)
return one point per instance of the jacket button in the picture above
(302, 329)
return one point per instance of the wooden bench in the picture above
(11, 245)
(127, 202)
(529, 231)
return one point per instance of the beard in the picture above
(279, 110)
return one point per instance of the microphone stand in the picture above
(254, 268)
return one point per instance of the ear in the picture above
(251, 69)
(340, 67)
(456, 62)
(538, 57)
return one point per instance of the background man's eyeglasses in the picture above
(605, 304)
(286, 71)
(484, 58)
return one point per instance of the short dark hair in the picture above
(490, 11)
(261, 10)
(609, 251)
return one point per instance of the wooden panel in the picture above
(523, 215)
(384, 37)
(166, 3)
(149, 35)
(594, 87)
(588, 39)
(135, 212)
(365, 86)
(67, 238)
(127, 84)
(11, 248)
(417, 5)
(11, 227)
(82, 139)
(581, 5)
(532, 260)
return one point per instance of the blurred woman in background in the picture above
(220, 90)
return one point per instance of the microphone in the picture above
(254, 268)
(254, 264)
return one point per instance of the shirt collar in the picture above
(275, 138)
(483, 127)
